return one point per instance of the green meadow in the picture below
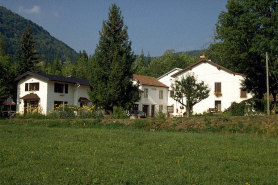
(117, 154)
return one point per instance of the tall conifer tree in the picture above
(111, 72)
(29, 56)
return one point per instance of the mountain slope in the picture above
(12, 26)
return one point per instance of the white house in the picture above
(48, 91)
(153, 95)
(224, 84)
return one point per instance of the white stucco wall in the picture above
(153, 98)
(48, 96)
(230, 87)
(42, 93)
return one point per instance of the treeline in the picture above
(12, 26)
(160, 65)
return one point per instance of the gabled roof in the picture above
(148, 80)
(47, 77)
(169, 72)
(209, 62)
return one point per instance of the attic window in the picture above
(32, 86)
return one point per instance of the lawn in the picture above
(35, 154)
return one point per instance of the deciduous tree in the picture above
(247, 30)
(191, 90)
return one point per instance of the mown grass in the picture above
(35, 154)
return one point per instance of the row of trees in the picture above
(244, 33)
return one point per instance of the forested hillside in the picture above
(12, 26)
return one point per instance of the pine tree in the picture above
(29, 56)
(111, 74)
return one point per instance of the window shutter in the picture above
(26, 86)
(243, 94)
(37, 86)
(66, 88)
(217, 86)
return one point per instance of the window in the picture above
(32, 86)
(171, 93)
(243, 94)
(160, 108)
(146, 93)
(57, 104)
(160, 94)
(217, 87)
(58, 88)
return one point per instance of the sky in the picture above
(154, 26)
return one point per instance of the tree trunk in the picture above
(187, 110)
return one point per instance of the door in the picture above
(146, 109)
(152, 112)
(218, 106)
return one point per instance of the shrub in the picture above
(118, 113)
(160, 116)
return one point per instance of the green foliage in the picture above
(160, 116)
(29, 57)
(191, 89)
(50, 48)
(8, 71)
(246, 31)
(111, 74)
(118, 113)
(237, 109)
(163, 64)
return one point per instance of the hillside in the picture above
(12, 26)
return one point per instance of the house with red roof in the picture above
(153, 95)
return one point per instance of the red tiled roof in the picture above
(210, 62)
(148, 80)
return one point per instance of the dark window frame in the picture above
(58, 88)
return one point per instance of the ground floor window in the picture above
(160, 108)
(218, 106)
(59, 103)
(135, 107)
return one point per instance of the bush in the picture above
(118, 113)
(160, 116)
(237, 109)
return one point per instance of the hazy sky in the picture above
(154, 26)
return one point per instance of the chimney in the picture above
(202, 56)
(69, 75)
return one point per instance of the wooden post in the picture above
(267, 84)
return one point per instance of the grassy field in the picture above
(36, 154)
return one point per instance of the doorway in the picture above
(146, 109)
(218, 105)
(152, 112)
